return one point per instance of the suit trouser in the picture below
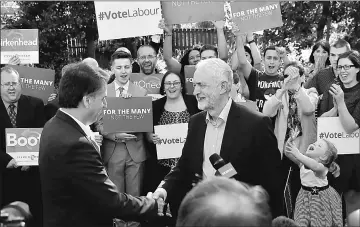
(126, 174)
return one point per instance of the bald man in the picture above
(91, 62)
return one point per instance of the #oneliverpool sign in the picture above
(23, 145)
(21, 42)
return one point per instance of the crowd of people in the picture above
(89, 177)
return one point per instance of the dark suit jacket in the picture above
(51, 108)
(76, 189)
(249, 144)
(30, 114)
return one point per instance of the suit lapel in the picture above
(21, 110)
(201, 130)
(229, 133)
(111, 90)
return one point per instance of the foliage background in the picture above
(305, 22)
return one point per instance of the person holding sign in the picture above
(19, 111)
(242, 137)
(191, 56)
(76, 188)
(175, 107)
(124, 154)
(147, 59)
(346, 98)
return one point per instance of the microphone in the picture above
(222, 169)
(282, 221)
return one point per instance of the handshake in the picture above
(159, 196)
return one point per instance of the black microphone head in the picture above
(216, 161)
(282, 221)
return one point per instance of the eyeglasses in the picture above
(8, 84)
(150, 57)
(175, 84)
(346, 67)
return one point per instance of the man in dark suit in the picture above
(18, 111)
(76, 189)
(241, 136)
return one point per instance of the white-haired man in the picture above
(241, 136)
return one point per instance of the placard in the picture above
(183, 12)
(23, 145)
(330, 128)
(189, 71)
(116, 20)
(151, 83)
(128, 115)
(172, 138)
(36, 82)
(21, 42)
(255, 16)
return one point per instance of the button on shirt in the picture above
(213, 138)
(125, 87)
(90, 134)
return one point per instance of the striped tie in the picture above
(121, 89)
(12, 115)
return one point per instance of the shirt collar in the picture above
(8, 104)
(224, 113)
(126, 86)
(85, 128)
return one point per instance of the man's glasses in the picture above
(346, 67)
(175, 84)
(150, 57)
(8, 84)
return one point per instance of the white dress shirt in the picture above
(117, 86)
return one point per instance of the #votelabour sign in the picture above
(172, 138)
(183, 12)
(256, 16)
(330, 128)
(23, 145)
(23, 42)
(128, 115)
(129, 16)
(36, 82)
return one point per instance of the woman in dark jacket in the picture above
(174, 108)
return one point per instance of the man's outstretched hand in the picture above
(163, 208)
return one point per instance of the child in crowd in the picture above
(317, 203)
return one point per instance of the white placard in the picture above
(330, 128)
(173, 138)
(116, 20)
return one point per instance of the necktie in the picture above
(121, 89)
(12, 115)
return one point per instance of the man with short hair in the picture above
(76, 189)
(239, 135)
(324, 79)
(208, 51)
(224, 202)
(147, 59)
(124, 154)
(262, 85)
(19, 111)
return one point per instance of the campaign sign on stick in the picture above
(183, 12)
(116, 20)
(23, 145)
(149, 82)
(128, 115)
(36, 82)
(330, 128)
(172, 138)
(256, 15)
(189, 75)
(21, 42)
